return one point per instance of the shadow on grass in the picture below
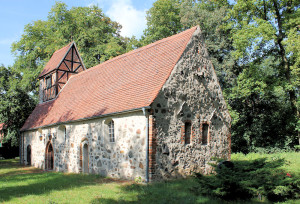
(244, 183)
(254, 181)
(9, 163)
(18, 171)
(19, 185)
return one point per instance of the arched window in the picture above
(85, 158)
(111, 131)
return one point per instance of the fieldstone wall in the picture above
(192, 93)
(124, 158)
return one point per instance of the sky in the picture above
(15, 14)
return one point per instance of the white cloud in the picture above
(133, 21)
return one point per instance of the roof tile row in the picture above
(126, 82)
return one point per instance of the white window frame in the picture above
(111, 131)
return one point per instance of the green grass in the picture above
(291, 160)
(19, 184)
(23, 184)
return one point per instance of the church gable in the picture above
(64, 63)
(190, 115)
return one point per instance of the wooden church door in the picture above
(49, 160)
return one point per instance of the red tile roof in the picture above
(55, 59)
(126, 82)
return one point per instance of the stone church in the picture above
(154, 113)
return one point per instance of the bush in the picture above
(250, 179)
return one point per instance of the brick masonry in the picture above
(152, 146)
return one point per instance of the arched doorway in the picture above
(85, 158)
(28, 155)
(49, 157)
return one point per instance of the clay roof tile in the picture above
(126, 82)
(55, 59)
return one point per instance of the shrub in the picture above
(250, 179)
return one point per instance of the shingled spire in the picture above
(64, 63)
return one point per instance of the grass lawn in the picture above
(291, 163)
(23, 184)
(19, 184)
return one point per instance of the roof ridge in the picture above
(135, 51)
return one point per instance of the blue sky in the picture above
(15, 14)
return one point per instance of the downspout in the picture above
(147, 144)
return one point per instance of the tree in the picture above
(210, 16)
(261, 29)
(15, 105)
(163, 20)
(96, 36)
(168, 17)
(254, 46)
(260, 110)
(268, 31)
